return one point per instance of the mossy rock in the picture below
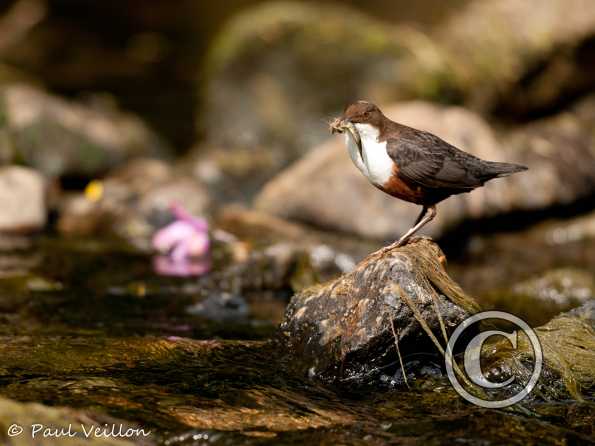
(520, 58)
(59, 137)
(568, 346)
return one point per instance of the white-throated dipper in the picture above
(411, 164)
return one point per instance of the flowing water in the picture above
(89, 325)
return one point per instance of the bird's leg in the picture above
(423, 220)
(421, 215)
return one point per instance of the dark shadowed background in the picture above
(149, 54)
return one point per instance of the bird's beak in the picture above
(338, 125)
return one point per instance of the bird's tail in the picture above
(498, 170)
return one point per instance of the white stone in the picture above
(22, 199)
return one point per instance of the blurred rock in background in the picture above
(520, 60)
(22, 200)
(62, 138)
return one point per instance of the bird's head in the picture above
(360, 112)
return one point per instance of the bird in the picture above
(411, 164)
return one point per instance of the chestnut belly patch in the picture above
(399, 188)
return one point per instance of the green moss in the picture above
(568, 345)
(257, 29)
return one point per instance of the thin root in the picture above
(392, 326)
(426, 328)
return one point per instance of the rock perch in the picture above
(341, 331)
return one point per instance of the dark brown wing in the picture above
(428, 161)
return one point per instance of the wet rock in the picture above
(520, 57)
(284, 68)
(132, 201)
(578, 229)
(494, 262)
(557, 151)
(343, 330)
(540, 298)
(59, 137)
(271, 268)
(22, 200)
(319, 255)
(87, 348)
(222, 307)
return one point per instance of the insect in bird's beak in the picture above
(339, 125)
(336, 126)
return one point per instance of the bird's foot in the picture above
(401, 242)
(390, 247)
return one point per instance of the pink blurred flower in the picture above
(183, 244)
